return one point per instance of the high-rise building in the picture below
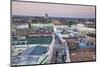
(46, 17)
(30, 21)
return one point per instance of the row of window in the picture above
(20, 42)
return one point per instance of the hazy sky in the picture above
(54, 10)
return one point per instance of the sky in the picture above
(53, 10)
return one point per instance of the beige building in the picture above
(56, 22)
(91, 38)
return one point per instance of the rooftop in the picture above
(91, 35)
(82, 55)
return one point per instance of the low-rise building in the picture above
(91, 38)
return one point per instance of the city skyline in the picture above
(53, 10)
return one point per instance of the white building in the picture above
(22, 26)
